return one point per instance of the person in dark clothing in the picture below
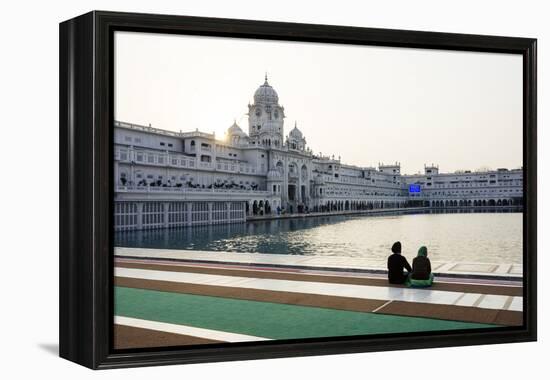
(397, 264)
(421, 275)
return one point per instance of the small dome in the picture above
(296, 133)
(235, 130)
(266, 94)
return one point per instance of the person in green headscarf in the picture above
(421, 275)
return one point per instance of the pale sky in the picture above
(460, 110)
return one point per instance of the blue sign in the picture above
(414, 188)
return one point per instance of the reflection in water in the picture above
(465, 237)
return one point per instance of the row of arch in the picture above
(260, 207)
(477, 203)
(268, 142)
(331, 206)
(263, 207)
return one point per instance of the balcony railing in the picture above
(164, 132)
(182, 189)
(178, 160)
(293, 175)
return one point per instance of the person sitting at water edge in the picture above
(421, 275)
(396, 265)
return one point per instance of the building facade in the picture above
(169, 179)
(501, 187)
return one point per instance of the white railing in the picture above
(182, 189)
(164, 132)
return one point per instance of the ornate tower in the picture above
(266, 117)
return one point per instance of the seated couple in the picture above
(420, 275)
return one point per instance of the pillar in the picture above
(188, 209)
(166, 208)
(139, 215)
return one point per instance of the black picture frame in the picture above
(86, 186)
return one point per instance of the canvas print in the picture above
(272, 190)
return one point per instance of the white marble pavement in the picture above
(510, 271)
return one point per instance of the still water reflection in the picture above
(465, 237)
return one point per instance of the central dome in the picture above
(266, 94)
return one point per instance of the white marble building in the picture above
(501, 187)
(166, 179)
